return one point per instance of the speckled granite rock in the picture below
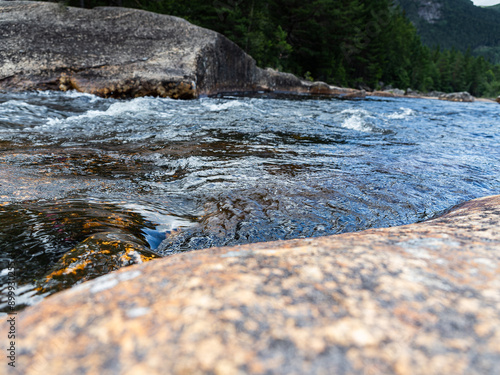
(416, 299)
(118, 52)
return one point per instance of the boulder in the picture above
(389, 93)
(397, 92)
(413, 93)
(457, 97)
(434, 94)
(118, 52)
(498, 100)
(363, 86)
(416, 299)
(385, 94)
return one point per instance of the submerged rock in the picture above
(96, 256)
(457, 97)
(417, 299)
(118, 52)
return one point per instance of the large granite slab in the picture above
(122, 53)
(417, 299)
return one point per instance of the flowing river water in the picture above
(164, 176)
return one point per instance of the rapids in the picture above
(185, 175)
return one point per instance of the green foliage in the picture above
(342, 42)
(308, 77)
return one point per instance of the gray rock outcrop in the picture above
(411, 300)
(388, 93)
(397, 92)
(429, 10)
(118, 52)
(457, 97)
(413, 93)
(435, 94)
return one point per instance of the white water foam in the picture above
(406, 113)
(223, 106)
(138, 106)
(73, 94)
(356, 119)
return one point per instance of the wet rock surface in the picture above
(97, 255)
(122, 53)
(417, 299)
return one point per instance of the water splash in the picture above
(404, 114)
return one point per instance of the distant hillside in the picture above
(456, 23)
(494, 7)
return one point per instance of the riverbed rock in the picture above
(118, 52)
(457, 97)
(99, 254)
(498, 100)
(416, 299)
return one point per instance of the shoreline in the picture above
(284, 94)
(88, 53)
(382, 94)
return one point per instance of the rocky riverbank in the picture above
(126, 53)
(123, 53)
(417, 299)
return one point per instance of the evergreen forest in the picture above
(494, 7)
(353, 43)
(456, 23)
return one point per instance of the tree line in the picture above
(354, 43)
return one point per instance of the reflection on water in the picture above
(129, 178)
(56, 244)
(95, 256)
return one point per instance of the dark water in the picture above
(211, 172)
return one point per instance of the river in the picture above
(172, 176)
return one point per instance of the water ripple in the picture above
(192, 174)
